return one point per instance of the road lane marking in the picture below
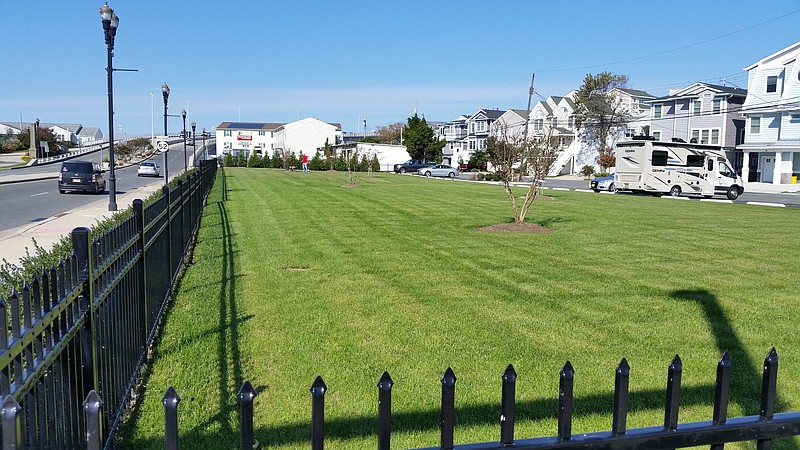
(41, 193)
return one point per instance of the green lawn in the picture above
(296, 275)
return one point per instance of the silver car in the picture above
(603, 184)
(439, 170)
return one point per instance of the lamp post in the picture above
(205, 151)
(194, 146)
(185, 158)
(165, 91)
(110, 24)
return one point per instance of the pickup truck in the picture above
(412, 165)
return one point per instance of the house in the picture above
(455, 134)
(306, 135)
(703, 113)
(14, 127)
(246, 137)
(89, 136)
(511, 124)
(771, 148)
(64, 132)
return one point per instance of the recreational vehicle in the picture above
(675, 168)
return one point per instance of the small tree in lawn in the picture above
(508, 153)
(607, 159)
(351, 158)
(254, 160)
(374, 163)
(276, 162)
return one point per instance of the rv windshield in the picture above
(726, 171)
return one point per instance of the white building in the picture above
(303, 136)
(772, 111)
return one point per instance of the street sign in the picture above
(162, 146)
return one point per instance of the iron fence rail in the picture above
(762, 428)
(84, 327)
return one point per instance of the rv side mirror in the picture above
(710, 164)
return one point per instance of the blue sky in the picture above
(271, 61)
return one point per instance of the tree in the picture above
(390, 134)
(478, 159)
(44, 134)
(508, 153)
(598, 111)
(607, 159)
(420, 141)
(140, 145)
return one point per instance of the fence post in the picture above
(768, 393)
(508, 406)
(246, 395)
(565, 402)
(91, 407)
(12, 438)
(621, 383)
(318, 389)
(170, 402)
(81, 249)
(448, 408)
(673, 394)
(721, 394)
(165, 194)
(385, 411)
(5, 380)
(141, 272)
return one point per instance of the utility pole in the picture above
(524, 165)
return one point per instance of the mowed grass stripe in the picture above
(391, 275)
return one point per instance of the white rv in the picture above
(675, 168)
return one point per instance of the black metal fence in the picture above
(82, 329)
(762, 428)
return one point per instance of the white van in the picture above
(675, 168)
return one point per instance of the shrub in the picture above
(587, 170)
(317, 163)
(340, 165)
(254, 160)
(375, 165)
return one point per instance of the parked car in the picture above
(603, 184)
(148, 168)
(412, 165)
(80, 176)
(439, 170)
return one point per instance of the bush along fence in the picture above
(83, 328)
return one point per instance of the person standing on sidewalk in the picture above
(304, 159)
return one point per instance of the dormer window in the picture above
(772, 84)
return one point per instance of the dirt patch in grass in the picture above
(515, 228)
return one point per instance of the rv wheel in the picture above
(675, 191)
(733, 193)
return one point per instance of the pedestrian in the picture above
(305, 162)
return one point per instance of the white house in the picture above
(89, 136)
(307, 136)
(772, 109)
(246, 137)
(64, 132)
(455, 134)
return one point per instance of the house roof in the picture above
(88, 131)
(636, 92)
(250, 126)
(780, 53)
(692, 91)
(521, 112)
(72, 127)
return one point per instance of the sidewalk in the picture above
(13, 242)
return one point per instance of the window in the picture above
(472, 145)
(694, 160)
(555, 122)
(708, 136)
(226, 133)
(538, 125)
(704, 137)
(656, 113)
(717, 106)
(715, 137)
(659, 158)
(695, 137)
(262, 133)
(755, 125)
(657, 135)
(696, 107)
(571, 121)
(772, 83)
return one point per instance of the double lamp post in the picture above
(165, 92)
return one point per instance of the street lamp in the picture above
(110, 24)
(165, 91)
(194, 147)
(205, 151)
(185, 158)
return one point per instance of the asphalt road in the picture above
(32, 201)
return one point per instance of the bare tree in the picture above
(351, 158)
(508, 153)
(390, 134)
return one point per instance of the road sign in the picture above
(162, 146)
